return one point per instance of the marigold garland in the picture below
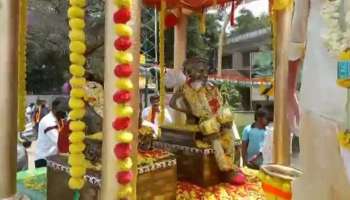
(122, 97)
(77, 46)
(344, 139)
(22, 68)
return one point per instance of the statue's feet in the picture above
(238, 179)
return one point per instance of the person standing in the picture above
(253, 139)
(321, 102)
(48, 132)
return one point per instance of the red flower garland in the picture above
(122, 16)
(122, 97)
(122, 43)
(123, 70)
(121, 123)
(122, 150)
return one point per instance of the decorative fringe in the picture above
(22, 64)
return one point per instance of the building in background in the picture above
(247, 61)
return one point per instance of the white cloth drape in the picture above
(323, 109)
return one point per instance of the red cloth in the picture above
(63, 138)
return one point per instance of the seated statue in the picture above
(203, 105)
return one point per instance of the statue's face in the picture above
(197, 73)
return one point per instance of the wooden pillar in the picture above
(281, 129)
(180, 48)
(8, 97)
(221, 43)
(180, 40)
(109, 184)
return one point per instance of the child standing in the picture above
(253, 140)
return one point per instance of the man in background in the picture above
(48, 132)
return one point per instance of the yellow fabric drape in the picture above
(202, 27)
(22, 64)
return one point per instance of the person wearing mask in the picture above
(48, 132)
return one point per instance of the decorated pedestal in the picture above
(196, 162)
(276, 181)
(156, 178)
(194, 165)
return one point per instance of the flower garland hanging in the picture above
(77, 46)
(122, 97)
(22, 64)
(337, 39)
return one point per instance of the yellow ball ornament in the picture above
(124, 84)
(124, 191)
(78, 3)
(77, 47)
(77, 171)
(77, 137)
(76, 159)
(124, 137)
(123, 3)
(123, 30)
(77, 82)
(123, 110)
(77, 114)
(77, 35)
(125, 164)
(76, 24)
(76, 103)
(76, 12)
(123, 57)
(77, 93)
(77, 69)
(76, 183)
(77, 148)
(77, 126)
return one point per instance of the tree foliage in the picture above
(247, 22)
(198, 44)
(47, 43)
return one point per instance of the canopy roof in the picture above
(189, 4)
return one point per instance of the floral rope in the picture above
(77, 46)
(122, 98)
(22, 62)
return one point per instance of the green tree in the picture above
(198, 44)
(247, 22)
(47, 43)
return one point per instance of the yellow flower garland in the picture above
(76, 14)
